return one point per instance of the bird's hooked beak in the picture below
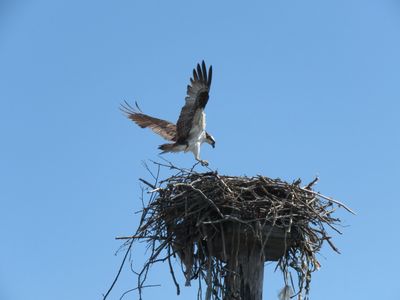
(210, 140)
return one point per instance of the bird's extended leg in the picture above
(196, 153)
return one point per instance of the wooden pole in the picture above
(245, 254)
(244, 263)
(245, 276)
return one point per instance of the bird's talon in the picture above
(204, 163)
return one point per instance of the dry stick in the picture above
(171, 166)
(204, 197)
(328, 239)
(147, 183)
(157, 251)
(141, 237)
(308, 187)
(224, 184)
(119, 271)
(148, 170)
(144, 271)
(171, 270)
(332, 200)
(131, 290)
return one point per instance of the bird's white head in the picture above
(210, 140)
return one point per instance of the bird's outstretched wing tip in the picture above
(128, 109)
(200, 73)
(137, 106)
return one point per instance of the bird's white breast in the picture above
(197, 133)
(200, 119)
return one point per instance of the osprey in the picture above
(189, 132)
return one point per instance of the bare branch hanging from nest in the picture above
(206, 219)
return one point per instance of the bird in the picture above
(188, 134)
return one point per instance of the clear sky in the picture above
(300, 88)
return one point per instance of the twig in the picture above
(147, 183)
(333, 200)
(140, 237)
(119, 271)
(134, 289)
(171, 270)
(311, 184)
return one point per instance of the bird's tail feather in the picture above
(171, 148)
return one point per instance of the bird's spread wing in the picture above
(164, 128)
(197, 98)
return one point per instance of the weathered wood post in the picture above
(245, 275)
(245, 248)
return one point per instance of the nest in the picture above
(206, 219)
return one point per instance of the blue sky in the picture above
(300, 88)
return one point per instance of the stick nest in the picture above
(206, 219)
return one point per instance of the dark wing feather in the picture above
(197, 97)
(164, 128)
